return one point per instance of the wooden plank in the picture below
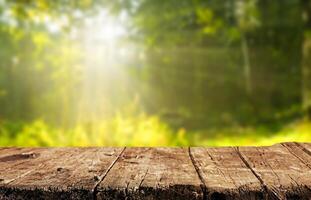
(18, 162)
(300, 152)
(152, 173)
(278, 172)
(282, 174)
(65, 173)
(225, 175)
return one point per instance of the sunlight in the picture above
(147, 72)
(104, 55)
(104, 28)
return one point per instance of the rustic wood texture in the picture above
(161, 173)
(282, 171)
(224, 174)
(56, 173)
(282, 174)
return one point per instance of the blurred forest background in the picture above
(154, 72)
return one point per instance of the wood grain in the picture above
(281, 171)
(300, 152)
(152, 173)
(65, 173)
(282, 174)
(225, 175)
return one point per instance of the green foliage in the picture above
(145, 131)
(204, 72)
(119, 131)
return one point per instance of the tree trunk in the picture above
(306, 60)
(306, 74)
(247, 67)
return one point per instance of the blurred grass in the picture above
(145, 130)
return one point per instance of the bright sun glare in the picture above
(104, 27)
(104, 55)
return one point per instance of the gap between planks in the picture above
(199, 173)
(102, 177)
(241, 157)
(293, 148)
(262, 183)
(297, 156)
(303, 148)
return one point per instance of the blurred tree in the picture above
(238, 60)
(247, 15)
(306, 63)
(215, 31)
(39, 62)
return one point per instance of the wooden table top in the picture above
(282, 171)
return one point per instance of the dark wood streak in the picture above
(21, 156)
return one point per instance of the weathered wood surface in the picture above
(282, 171)
(146, 173)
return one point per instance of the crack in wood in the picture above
(290, 150)
(219, 169)
(268, 164)
(102, 177)
(143, 178)
(299, 186)
(277, 172)
(20, 176)
(22, 158)
(275, 194)
(126, 190)
(199, 173)
(303, 148)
